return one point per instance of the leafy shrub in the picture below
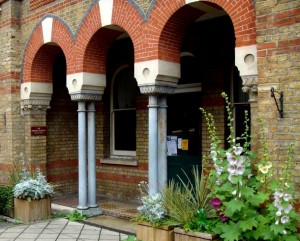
(32, 186)
(152, 209)
(187, 204)
(251, 204)
(6, 198)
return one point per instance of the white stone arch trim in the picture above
(83, 84)
(106, 9)
(246, 62)
(47, 29)
(157, 76)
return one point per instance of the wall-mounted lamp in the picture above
(280, 110)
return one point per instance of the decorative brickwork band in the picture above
(157, 89)
(86, 97)
(36, 107)
(250, 86)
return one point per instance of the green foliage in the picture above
(250, 202)
(152, 209)
(32, 186)
(76, 216)
(6, 198)
(131, 238)
(188, 204)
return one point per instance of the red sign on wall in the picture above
(39, 130)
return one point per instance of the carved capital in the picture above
(250, 86)
(34, 107)
(157, 89)
(86, 97)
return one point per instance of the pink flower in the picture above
(216, 202)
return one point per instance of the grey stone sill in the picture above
(120, 161)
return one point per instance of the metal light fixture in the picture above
(280, 110)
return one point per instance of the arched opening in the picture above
(207, 70)
(62, 164)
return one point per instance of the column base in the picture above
(93, 211)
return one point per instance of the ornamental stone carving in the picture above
(34, 107)
(86, 97)
(250, 86)
(157, 89)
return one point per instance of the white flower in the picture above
(288, 208)
(278, 213)
(231, 158)
(285, 219)
(284, 232)
(240, 161)
(237, 150)
(287, 197)
(277, 222)
(234, 192)
(279, 193)
(240, 170)
(277, 204)
(231, 169)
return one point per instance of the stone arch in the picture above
(109, 19)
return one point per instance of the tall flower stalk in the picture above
(250, 202)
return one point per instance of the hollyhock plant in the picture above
(250, 202)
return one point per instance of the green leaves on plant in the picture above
(230, 231)
(76, 216)
(248, 224)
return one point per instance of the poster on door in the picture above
(172, 145)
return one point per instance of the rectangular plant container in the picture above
(181, 235)
(146, 232)
(34, 210)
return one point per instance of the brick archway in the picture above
(50, 32)
(163, 32)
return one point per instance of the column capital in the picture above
(250, 86)
(86, 97)
(34, 107)
(157, 89)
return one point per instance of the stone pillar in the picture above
(250, 86)
(35, 101)
(87, 190)
(162, 142)
(92, 199)
(157, 141)
(82, 173)
(152, 145)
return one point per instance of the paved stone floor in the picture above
(59, 229)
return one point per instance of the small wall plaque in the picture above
(39, 130)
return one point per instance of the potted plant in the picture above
(152, 217)
(32, 196)
(189, 209)
(251, 204)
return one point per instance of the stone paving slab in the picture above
(58, 230)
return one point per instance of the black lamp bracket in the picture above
(280, 110)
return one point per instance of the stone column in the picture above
(82, 172)
(152, 145)
(157, 141)
(162, 142)
(92, 200)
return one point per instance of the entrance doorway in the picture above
(184, 128)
